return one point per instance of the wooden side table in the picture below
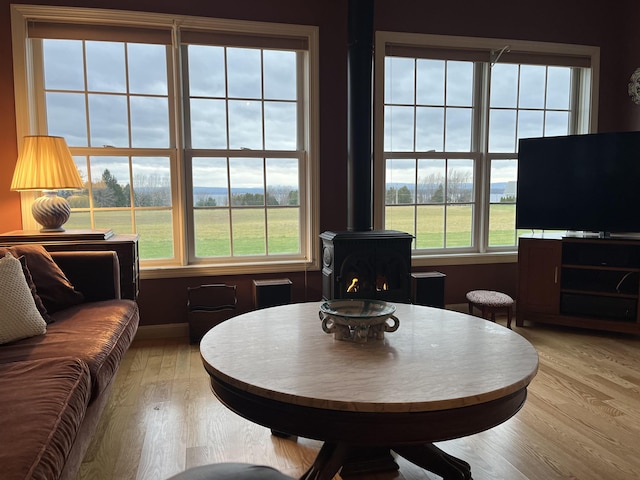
(125, 245)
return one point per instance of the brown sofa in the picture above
(54, 386)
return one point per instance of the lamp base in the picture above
(51, 211)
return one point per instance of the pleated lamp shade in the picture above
(45, 163)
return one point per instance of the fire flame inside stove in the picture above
(381, 284)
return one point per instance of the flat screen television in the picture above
(588, 183)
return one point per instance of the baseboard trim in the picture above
(457, 307)
(176, 330)
(167, 330)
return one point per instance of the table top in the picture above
(436, 360)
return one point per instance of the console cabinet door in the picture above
(539, 271)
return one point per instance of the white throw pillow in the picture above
(19, 316)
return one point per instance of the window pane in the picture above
(208, 123)
(431, 181)
(245, 125)
(206, 71)
(67, 117)
(532, 83)
(429, 129)
(280, 126)
(110, 182)
(400, 175)
(78, 199)
(151, 181)
(458, 133)
(78, 220)
(460, 181)
(244, 73)
(502, 224)
(247, 181)
(400, 218)
(430, 227)
(248, 226)
(502, 131)
(155, 228)
(430, 82)
(504, 85)
(149, 122)
(559, 88)
(212, 234)
(106, 67)
(67, 74)
(557, 123)
(504, 174)
(108, 121)
(209, 178)
(279, 75)
(282, 181)
(530, 123)
(502, 220)
(119, 221)
(147, 68)
(399, 80)
(459, 84)
(283, 226)
(459, 224)
(398, 129)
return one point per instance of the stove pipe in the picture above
(360, 116)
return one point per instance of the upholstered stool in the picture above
(490, 302)
(231, 471)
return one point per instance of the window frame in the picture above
(489, 48)
(184, 262)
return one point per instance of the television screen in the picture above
(580, 182)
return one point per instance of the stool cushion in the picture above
(489, 298)
(231, 471)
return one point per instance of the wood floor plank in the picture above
(581, 420)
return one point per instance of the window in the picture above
(451, 111)
(200, 138)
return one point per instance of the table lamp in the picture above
(45, 163)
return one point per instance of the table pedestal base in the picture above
(357, 460)
(437, 461)
(368, 460)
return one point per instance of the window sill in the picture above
(215, 270)
(153, 272)
(464, 259)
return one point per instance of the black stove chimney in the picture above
(362, 262)
(360, 116)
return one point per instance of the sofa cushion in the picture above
(98, 333)
(19, 316)
(32, 286)
(43, 403)
(34, 292)
(52, 286)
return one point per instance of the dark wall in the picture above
(586, 22)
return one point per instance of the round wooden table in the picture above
(441, 375)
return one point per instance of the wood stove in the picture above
(372, 264)
(361, 262)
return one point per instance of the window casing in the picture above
(449, 114)
(208, 176)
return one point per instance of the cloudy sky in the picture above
(428, 107)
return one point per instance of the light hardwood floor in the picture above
(581, 420)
